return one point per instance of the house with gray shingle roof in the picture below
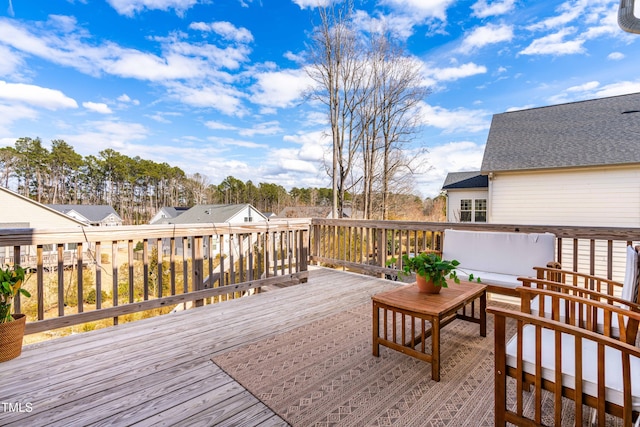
(166, 214)
(19, 211)
(232, 214)
(215, 214)
(570, 164)
(467, 194)
(95, 215)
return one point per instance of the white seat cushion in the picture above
(613, 365)
(490, 278)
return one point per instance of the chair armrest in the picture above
(575, 278)
(588, 313)
(578, 291)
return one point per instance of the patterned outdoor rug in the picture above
(323, 374)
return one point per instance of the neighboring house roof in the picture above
(173, 212)
(92, 213)
(459, 180)
(597, 132)
(167, 213)
(16, 217)
(213, 213)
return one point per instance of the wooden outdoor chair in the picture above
(607, 291)
(569, 359)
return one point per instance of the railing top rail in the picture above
(562, 231)
(36, 236)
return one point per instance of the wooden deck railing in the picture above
(117, 270)
(367, 246)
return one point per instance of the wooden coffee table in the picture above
(405, 306)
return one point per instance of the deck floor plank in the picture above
(158, 371)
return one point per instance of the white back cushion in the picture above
(629, 288)
(499, 252)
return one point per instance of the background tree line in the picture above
(137, 188)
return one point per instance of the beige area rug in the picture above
(323, 374)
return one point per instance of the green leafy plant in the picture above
(432, 267)
(11, 280)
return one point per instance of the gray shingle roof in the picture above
(94, 213)
(588, 133)
(465, 180)
(210, 214)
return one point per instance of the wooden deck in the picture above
(159, 371)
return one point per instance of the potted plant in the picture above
(11, 326)
(431, 271)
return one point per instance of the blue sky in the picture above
(215, 86)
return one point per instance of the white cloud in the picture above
(522, 107)
(279, 88)
(594, 90)
(231, 142)
(11, 63)
(211, 124)
(555, 44)
(304, 4)
(131, 7)
(225, 29)
(36, 96)
(12, 113)
(401, 26)
(114, 134)
(451, 157)
(422, 9)
(124, 98)
(482, 9)
(458, 120)
(483, 36)
(179, 60)
(225, 99)
(615, 56)
(584, 87)
(454, 73)
(293, 57)
(568, 12)
(266, 128)
(98, 107)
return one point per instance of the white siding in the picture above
(239, 217)
(606, 197)
(603, 197)
(17, 209)
(455, 196)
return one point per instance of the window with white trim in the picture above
(465, 210)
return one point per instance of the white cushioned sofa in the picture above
(498, 258)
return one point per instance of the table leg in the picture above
(435, 349)
(483, 314)
(376, 330)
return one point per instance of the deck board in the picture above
(158, 371)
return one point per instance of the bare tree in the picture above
(372, 90)
(399, 90)
(337, 69)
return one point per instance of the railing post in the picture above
(197, 267)
(380, 249)
(303, 259)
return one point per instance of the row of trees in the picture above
(138, 188)
(135, 187)
(372, 90)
